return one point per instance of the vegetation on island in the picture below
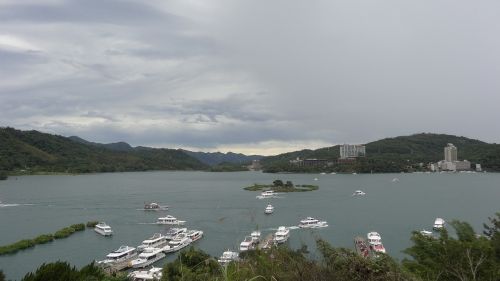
(229, 167)
(279, 186)
(464, 256)
(92, 224)
(41, 239)
(390, 155)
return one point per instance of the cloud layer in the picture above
(248, 76)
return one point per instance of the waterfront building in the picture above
(352, 151)
(478, 168)
(450, 153)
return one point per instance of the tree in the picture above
(278, 183)
(2, 276)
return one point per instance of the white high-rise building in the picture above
(352, 151)
(450, 153)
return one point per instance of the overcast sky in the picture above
(250, 76)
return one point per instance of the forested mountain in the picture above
(216, 158)
(36, 152)
(394, 155)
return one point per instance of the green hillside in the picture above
(36, 152)
(397, 154)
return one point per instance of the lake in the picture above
(217, 204)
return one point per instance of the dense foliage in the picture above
(217, 158)
(3, 175)
(35, 152)
(280, 186)
(62, 271)
(400, 154)
(228, 167)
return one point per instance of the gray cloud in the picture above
(225, 74)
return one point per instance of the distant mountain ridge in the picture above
(216, 158)
(36, 152)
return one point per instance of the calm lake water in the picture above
(217, 204)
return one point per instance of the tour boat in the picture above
(153, 206)
(154, 273)
(156, 241)
(438, 224)
(375, 242)
(247, 244)
(194, 235)
(269, 209)
(228, 256)
(255, 236)
(178, 242)
(103, 229)
(148, 257)
(358, 193)
(122, 254)
(281, 236)
(171, 233)
(171, 220)
(361, 248)
(310, 222)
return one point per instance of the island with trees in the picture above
(280, 186)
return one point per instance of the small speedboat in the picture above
(255, 236)
(266, 194)
(358, 193)
(269, 209)
(154, 273)
(426, 233)
(311, 222)
(153, 206)
(438, 224)
(281, 236)
(171, 220)
(103, 229)
(228, 256)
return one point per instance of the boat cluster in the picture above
(439, 224)
(151, 249)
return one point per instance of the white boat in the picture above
(395, 180)
(156, 241)
(310, 222)
(358, 193)
(177, 243)
(255, 236)
(266, 194)
(122, 254)
(375, 242)
(438, 224)
(426, 233)
(194, 235)
(281, 236)
(103, 229)
(247, 244)
(171, 220)
(228, 256)
(153, 206)
(322, 173)
(148, 257)
(315, 179)
(171, 233)
(269, 209)
(154, 273)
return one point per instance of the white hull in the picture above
(319, 225)
(102, 232)
(167, 249)
(143, 263)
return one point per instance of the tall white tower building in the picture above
(450, 153)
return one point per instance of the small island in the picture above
(279, 186)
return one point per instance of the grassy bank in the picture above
(41, 239)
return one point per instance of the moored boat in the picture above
(177, 243)
(282, 235)
(194, 235)
(103, 229)
(158, 240)
(361, 247)
(375, 241)
(147, 257)
(426, 233)
(122, 254)
(228, 256)
(438, 224)
(171, 233)
(154, 273)
(311, 222)
(247, 244)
